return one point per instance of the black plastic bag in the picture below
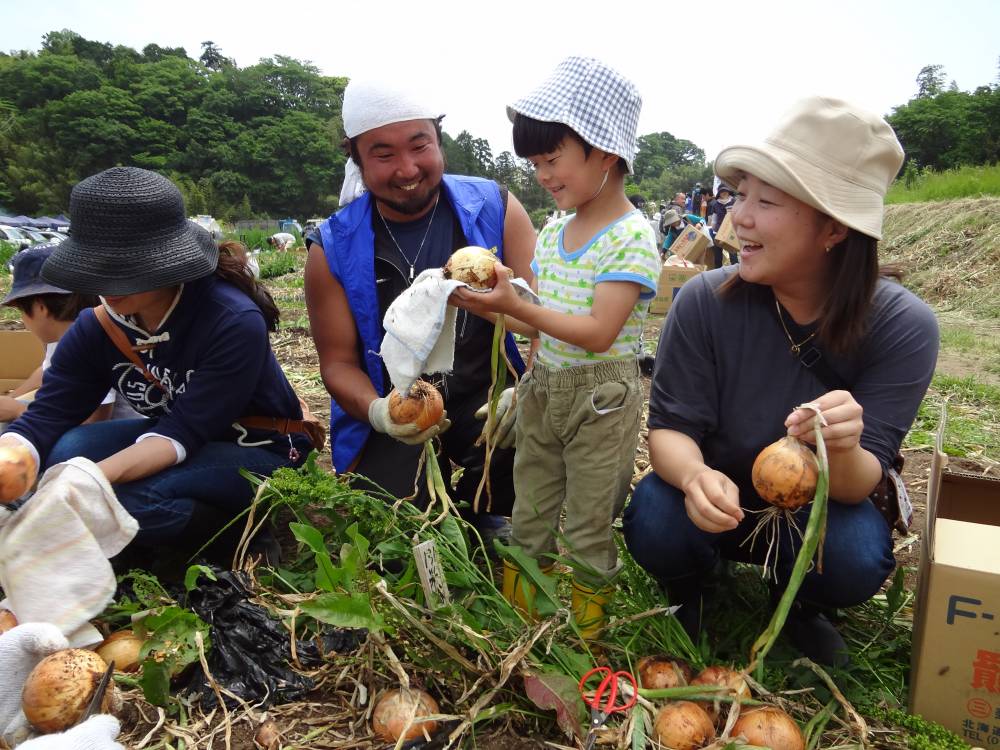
(251, 653)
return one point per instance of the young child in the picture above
(579, 408)
(48, 312)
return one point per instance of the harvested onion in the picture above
(60, 688)
(17, 470)
(785, 473)
(660, 672)
(268, 737)
(723, 677)
(122, 648)
(396, 708)
(769, 726)
(422, 406)
(683, 726)
(7, 620)
(476, 266)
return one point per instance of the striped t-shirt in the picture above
(623, 251)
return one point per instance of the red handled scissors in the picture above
(605, 700)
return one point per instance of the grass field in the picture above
(964, 182)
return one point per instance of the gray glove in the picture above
(96, 733)
(21, 648)
(378, 416)
(502, 435)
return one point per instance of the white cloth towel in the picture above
(420, 328)
(354, 185)
(54, 550)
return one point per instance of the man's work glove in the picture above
(378, 416)
(21, 648)
(96, 733)
(502, 435)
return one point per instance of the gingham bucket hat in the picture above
(829, 153)
(596, 101)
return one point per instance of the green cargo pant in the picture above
(577, 430)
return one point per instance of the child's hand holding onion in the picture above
(500, 299)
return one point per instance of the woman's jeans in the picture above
(164, 502)
(857, 553)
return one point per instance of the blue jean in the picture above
(857, 553)
(164, 502)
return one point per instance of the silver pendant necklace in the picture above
(420, 248)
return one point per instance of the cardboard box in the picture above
(955, 675)
(672, 278)
(691, 245)
(726, 236)
(20, 355)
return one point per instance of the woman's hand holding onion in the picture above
(844, 423)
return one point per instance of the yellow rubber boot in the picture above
(588, 609)
(519, 590)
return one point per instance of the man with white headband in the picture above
(410, 217)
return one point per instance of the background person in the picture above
(805, 316)
(48, 312)
(198, 324)
(281, 241)
(412, 217)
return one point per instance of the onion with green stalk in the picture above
(476, 266)
(812, 546)
(785, 475)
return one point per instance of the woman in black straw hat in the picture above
(182, 334)
(804, 317)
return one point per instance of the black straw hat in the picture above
(129, 235)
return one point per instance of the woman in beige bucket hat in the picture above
(804, 317)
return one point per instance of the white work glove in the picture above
(96, 733)
(378, 416)
(21, 648)
(503, 425)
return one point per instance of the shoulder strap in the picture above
(120, 340)
(812, 359)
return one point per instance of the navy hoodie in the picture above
(213, 354)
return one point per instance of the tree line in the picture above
(264, 140)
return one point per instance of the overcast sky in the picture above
(714, 73)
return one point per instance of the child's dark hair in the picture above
(64, 307)
(234, 269)
(533, 137)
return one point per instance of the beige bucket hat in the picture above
(831, 154)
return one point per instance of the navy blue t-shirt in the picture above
(725, 375)
(212, 353)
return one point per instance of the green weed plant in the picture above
(918, 186)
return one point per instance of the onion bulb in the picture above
(660, 672)
(476, 266)
(17, 470)
(7, 620)
(122, 648)
(723, 677)
(60, 688)
(267, 737)
(785, 473)
(683, 726)
(422, 406)
(769, 726)
(395, 709)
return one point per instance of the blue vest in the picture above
(349, 247)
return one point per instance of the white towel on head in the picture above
(420, 328)
(54, 550)
(372, 104)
